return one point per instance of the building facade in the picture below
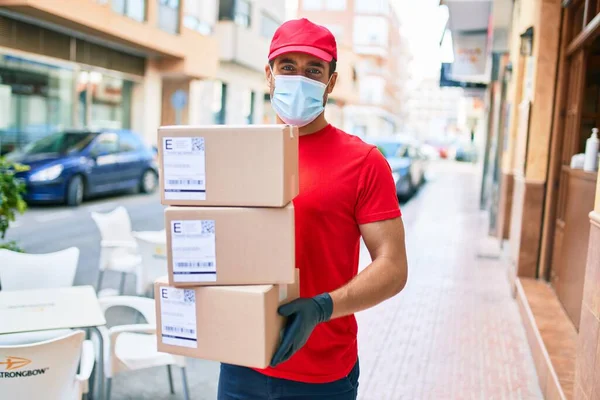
(98, 63)
(545, 104)
(434, 111)
(244, 32)
(368, 34)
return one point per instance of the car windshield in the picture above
(60, 143)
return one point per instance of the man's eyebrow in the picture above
(287, 61)
(316, 64)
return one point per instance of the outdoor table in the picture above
(157, 238)
(57, 308)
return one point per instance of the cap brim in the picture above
(313, 51)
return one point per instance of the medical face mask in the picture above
(297, 100)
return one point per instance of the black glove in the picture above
(303, 315)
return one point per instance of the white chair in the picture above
(133, 347)
(118, 248)
(21, 271)
(43, 365)
(152, 248)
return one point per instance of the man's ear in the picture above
(268, 75)
(332, 82)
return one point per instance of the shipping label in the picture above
(184, 168)
(193, 249)
(178, 317)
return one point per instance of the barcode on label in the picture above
(195, 264)
(176, 329)
(186, 181)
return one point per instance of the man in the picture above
(346, 191)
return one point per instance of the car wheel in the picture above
(404, 188)
(149, 181)
(75, 191)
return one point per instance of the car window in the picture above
(387, 149)
(402, 151)
(60, 143)
(129, 142)
(107, 143)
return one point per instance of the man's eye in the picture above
(314, 71)
(287, 68)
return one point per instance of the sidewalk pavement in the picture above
(454, 333)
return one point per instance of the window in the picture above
(335, 5)
(219, 102)
(134, 9)
(248, 108)
(200, 16)
(107, 143)
(243, 13)
(372, 6)
(313, 4)
(268, 25)
(129, 142)
(168, 15)
(371, 31)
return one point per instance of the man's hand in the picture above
(303, 315)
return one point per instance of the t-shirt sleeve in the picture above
(377, 199)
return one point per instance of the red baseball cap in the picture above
(303, 36)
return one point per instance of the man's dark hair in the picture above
(332, 66)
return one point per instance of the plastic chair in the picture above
(152, 248)
(118, 248)
(21, 271)
(133, 347)
(45, 369)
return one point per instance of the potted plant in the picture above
(11, 199)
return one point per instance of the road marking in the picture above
(54, 216)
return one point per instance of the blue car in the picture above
(71, 166)
(405, 160)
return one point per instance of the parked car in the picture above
(73, 165)
(407, 162)
(465, 151)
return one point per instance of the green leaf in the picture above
(11, 193)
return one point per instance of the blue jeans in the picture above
(240, 383)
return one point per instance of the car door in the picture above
(104, 173)
(131, 159)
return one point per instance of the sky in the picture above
(423, 23)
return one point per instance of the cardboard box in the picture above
(232, 324)
(223, 165)
(230, 245)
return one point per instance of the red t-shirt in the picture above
(344, 182)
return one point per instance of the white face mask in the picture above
(298, 100)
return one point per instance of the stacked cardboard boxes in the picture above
(230, 240)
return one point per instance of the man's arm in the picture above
(385, 277)
(382, 279)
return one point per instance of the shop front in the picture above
(570, 256)
(40, 96)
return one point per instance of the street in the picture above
(454, 332)
(44, 229)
